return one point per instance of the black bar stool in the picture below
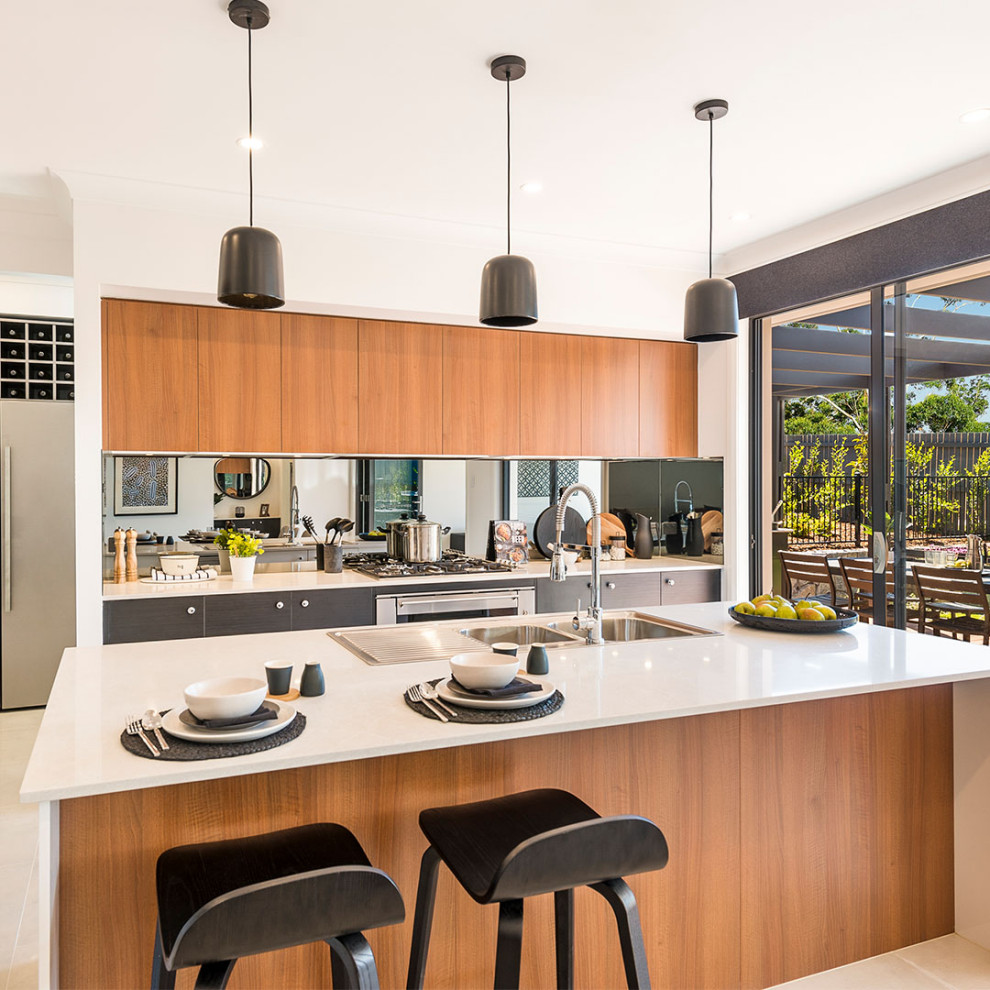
(537, 842)
(219, 901)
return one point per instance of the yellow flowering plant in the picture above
(242, 545)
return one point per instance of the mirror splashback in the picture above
(242, 477)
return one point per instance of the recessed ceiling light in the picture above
(976, 116)
(532, 187)
(254, 143)
(742, 216)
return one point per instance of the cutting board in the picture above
(711, 522)
(611, 526)
(545, 528)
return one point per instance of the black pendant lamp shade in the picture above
(250, 257)
(508, 282)
(711, 309)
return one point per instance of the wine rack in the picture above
(37, 359)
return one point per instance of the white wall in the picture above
(444, 493)
(326, 490)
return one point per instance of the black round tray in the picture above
(845, 619)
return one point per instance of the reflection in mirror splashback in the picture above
(462, 494)
(242, 477)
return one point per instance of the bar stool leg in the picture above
(623, 903)
(161, 978)
(508, 954)
(353, 963)
(423, 918)
(563, 916)
(214, 975)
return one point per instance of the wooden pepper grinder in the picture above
(118, 560)
(132, 567)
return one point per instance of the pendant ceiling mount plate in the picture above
(512, 67)
(251, 14)
(711, 109)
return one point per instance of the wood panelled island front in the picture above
(805, 788)
(793, 846)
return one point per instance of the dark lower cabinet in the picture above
(256, 612)
(145, 619)
(618, 591)
(642, 590)
(332, 609)
(689, 586)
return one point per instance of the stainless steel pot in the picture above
(422, 541)
(393, 538)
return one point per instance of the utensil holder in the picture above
(333, 559)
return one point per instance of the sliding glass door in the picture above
(880, 429)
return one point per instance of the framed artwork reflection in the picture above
(145, 486)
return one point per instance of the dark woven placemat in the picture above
(481, 715)
(181, 749)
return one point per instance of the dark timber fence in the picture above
(831, 506)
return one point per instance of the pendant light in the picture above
(508, 282)
(711, 310)
(250, 257)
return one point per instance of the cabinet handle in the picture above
(304, 603)
(588, 585)
(610, 585)
(280, 604)
(191, 610)
(669, 581)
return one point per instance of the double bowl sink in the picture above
(412, 642)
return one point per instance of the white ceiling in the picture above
(389, 107)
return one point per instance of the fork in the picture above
(415, 694)
(430, 693)
(134, 729)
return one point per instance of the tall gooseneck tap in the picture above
(294, 513)
(592, 621)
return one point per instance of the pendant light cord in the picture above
(711, 185)
(250, 133)
(508, 166)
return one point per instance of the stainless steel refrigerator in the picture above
(37, 532)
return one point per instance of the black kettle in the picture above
(694, 544)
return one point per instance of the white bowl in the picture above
(479, 671)
(225, 697)
(179, 563)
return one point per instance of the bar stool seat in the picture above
(537, 842)
(219, 901)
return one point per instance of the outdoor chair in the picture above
(954, 600)
(858, 575)
(803, 569)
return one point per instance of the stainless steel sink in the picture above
(524, 635)
(630, 627)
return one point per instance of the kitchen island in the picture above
(804, 783)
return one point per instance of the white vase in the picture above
(242, 568)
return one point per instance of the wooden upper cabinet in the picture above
(150, 385)
(550, 394)
(240, 356)
(480, 391)
(319, 384)
(400, 388)
(668, 399)
(609, 397)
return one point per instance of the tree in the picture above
(948, 413)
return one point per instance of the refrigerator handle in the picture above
(5, 533)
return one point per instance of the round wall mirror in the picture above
(242, 477)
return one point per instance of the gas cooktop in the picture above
(380, 565)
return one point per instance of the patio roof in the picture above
(815, 361)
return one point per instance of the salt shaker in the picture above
(537, 662)
(312, 683)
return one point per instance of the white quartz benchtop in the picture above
(363, 714)
(310, 579)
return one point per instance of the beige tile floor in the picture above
(949, 963)
(18, 856)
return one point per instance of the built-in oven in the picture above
(431, 606)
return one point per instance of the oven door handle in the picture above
(438, 604)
